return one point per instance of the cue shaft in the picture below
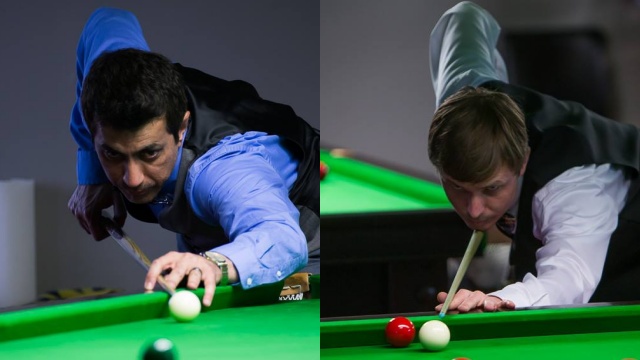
(474, 242)
(127, 243)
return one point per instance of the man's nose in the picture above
(475, 206)
(133, 175)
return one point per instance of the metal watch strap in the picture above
(222, 264)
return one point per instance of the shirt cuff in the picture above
(250, 272)
(525, 293)
(88, 169)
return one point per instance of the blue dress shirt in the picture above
(241, 184)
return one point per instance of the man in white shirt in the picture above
(568, 175)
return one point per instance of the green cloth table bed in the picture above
(239, 325)
(593, 332)
(385, 231)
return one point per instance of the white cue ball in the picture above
(434, 335)
(184, 306)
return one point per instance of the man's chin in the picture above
(140, 199)
(479, 226)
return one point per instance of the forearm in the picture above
(266, 242)
(543, 291)
(462, 50)
(262, 257)
(563, 278)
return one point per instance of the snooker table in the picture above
(604, 331)
(386, 238)
(239, 325)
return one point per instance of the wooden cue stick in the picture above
(130, 246)
(474, 242)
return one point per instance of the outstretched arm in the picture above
(245, 190)
(243, 187)
(576, 214)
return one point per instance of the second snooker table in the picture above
(239, 325)
(601, 331)
(386, 238)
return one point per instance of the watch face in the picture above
(222, 264)
(219, 259)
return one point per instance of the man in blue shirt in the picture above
(235, 176)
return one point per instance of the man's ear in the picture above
(526, 160)
(184, 125)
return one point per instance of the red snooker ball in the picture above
(324, 169)
(400, 331)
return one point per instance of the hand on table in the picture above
(87, 203)
(185, 265)
(474, 301)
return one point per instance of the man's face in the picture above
(138, 163)
(481, 205)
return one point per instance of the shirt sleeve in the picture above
(574, 215)
(106, 30)
(238, 187)
(462, 50)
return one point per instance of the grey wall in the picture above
(375, 87)
(272, 44)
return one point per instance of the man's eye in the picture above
(492, 189)
(151, 154)
(110, 154)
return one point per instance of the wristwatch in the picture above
(219, 260)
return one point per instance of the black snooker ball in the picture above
(159, 349)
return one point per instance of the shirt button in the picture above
(279, 274)
(249, 281)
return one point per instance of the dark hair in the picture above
(129, 88)
(475, 132)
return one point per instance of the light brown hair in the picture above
(475, 132)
